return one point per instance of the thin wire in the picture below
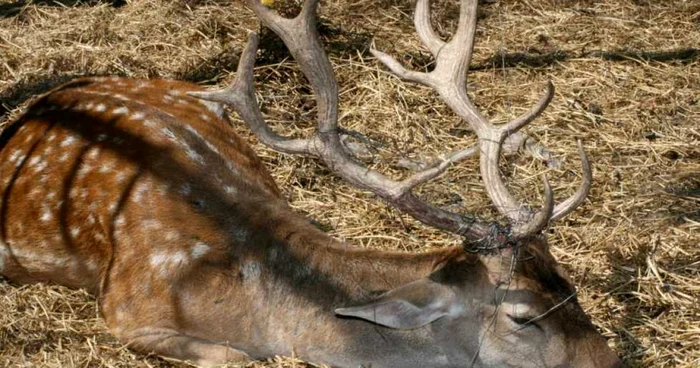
(548, 312)
(511, 271)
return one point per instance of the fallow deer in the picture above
(141, 192)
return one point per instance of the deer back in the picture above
(94, 158)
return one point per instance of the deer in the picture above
(141, 192)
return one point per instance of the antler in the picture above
(301, 38)
(448, 79)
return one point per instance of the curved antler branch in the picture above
(541, 219)
(241, 96)
(400, 71)
(570, 204)
(526, 118)
(425, 31)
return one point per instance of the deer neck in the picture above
(292, 276)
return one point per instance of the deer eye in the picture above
(524, 322)
(519, 320)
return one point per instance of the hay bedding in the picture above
(627, 74)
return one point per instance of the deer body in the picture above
(141, 192)
(169, 219)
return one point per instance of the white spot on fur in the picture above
(231, 167)
(274, 253)
(171, 235)
(250, 271)
(93, 153)
(46, 214)
(91, 266)
(231, 190)
(204, 117)
(41, 166)
(150, 123)
(165, 263)
(120, 177)
(3, 254)
(212, 147)
(138, 116)
(239, 234)
(168, 133)
(101, 108)
(140, 190)
(83, 171)
(15, 156)
(34, 193)
(33, 161)
(74, 231)
(163, 189)
(186, 189)
(68, 141)
(152, 224)
(194, 131)
(105, 168)
(200, 249)
(214, 107)
(121, 221)
(194, 155)
(120, 110)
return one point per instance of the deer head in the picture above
(501, 301)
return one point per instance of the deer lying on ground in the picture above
(141, 192)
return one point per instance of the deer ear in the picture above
(409, 306)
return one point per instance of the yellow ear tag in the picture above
(268, 3)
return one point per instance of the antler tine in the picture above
(542, 218)
(241, 96)
(570, 204)
(425, 30)
(301, 38)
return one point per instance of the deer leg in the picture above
(147, 318)
(171, 343)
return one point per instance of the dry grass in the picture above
(628, 84)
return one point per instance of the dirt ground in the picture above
(627, 74)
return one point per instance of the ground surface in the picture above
(627, 74)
